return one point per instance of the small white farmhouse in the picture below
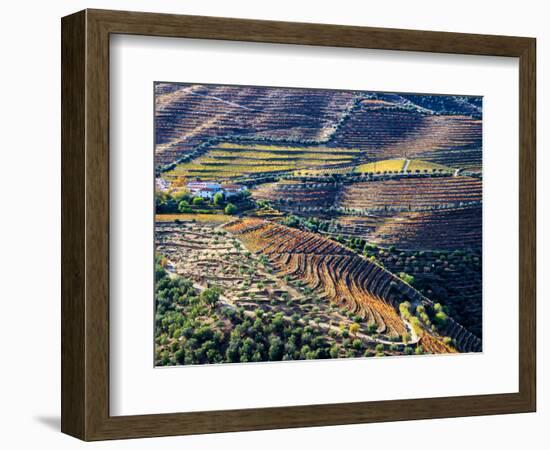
(207, 189)
(204, 189)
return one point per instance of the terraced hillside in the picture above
(445, 229)
(345, 278)
(385, 133)
(308, 224)
(452, 278)
(385, 196)
(228, 160)
(291, 194)
(411, 194)
(256, 302)
(186, 116)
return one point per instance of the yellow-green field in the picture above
(214, 218)
(381, 166)
(228, 160)
(397, 165)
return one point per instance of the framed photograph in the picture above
(273, 225)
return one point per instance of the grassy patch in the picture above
(397, 165)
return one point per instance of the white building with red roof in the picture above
(207, 189)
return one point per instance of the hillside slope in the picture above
(188, 115)
(347, 279)
(441, 129)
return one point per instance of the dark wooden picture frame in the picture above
(85, 224)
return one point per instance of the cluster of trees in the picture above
(184, 337)
(313, 224)
(185, 203)
(426, 317)
(350, 177)
(448, 104)
(270, 337)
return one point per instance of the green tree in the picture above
(198, 201)
(180, 356)
(409, 279)
(210, 297)
(165, 203)
(276, 348)
(230, 209)
(218, 198)
(257, 357)
(183, 206)
(160, 262)
(372, 328)
(440, 318)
